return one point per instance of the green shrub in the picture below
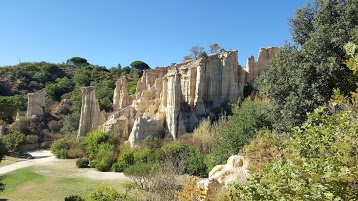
(126, 157)
(93, 164)
(3, 150)
(118, 167)
(138, 169)
(14, 142)
(57, 148)
(74, 198)
(105, 157)
(82, 163)
(321, 164)
(174, 149)
(104, 193)
(104, 164)
(141, 175)
(196, 164)
(240, 129)
(93, 141)
(142, 155)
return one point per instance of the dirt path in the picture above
(60, 167)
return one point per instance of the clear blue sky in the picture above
(158, 32)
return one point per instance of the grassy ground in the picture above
(40, 183)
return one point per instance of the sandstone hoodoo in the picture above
(170, 101)
(91, 116)
(36, 103)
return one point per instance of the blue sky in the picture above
(158, 32)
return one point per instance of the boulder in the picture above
(235, 170)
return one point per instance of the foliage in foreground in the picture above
(321, 164)
(300, 80)
(104, 193)
(240, 128)
(74, 198)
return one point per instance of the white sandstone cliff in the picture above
(36, 103)
(91, 117)
(170, 101)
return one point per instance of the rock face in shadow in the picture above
(91, 117)
(36, 103)
(170, 101)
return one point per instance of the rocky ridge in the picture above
(170, 101)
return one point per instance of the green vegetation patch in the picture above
(21, 177)
(28, 184)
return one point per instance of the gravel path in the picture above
(61, 167)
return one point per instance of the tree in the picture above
(14, 142)
(3, 150)
(77, 61)
(60, 87)
(214, 48)
(139, 65)
(187, 57)
(195, 51)
(303, 77)
(321, 163)
(8, 107)
(203, 55)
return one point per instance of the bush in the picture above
(93, 164)
(104, 157)
(14, 142)
(82, 163)
(176, 154)
(3, 150)
(158, 181)
(240, 129)
(68, 147)
(266, 148)
(142, 155)
(93, 141)
(105, 164)
(74, 198)
(203, 137)
(126, 157)
(140, 174)
(321, 164)
(118, 167)
(58, 149)
(104, 193)
(196, 164)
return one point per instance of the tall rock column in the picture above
(173, 103)
(120, 97)
(35, 103)
(91, 117)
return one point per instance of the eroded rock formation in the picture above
(170, 101)
(235, 170)
(36, 103)
(254, 68)
(91, 117)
